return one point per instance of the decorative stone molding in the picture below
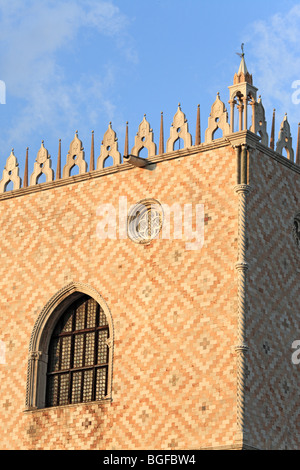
(242, 188)
(218, 119)
(75, 157)
(144, 139)
(42, 165)
(33, 355)
(241, 348)
(179, 130)
(41, 335)
(10, 173)
(241, 266)
(109, 148)
(285, 139)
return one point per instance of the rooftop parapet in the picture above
(243, 99)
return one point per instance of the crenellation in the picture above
(109, 148)
(218, 119)
(259, 123)
(285, 139)
(144, 139)
(242, 95)
(11, 173)
(75, 157)
(179, 130)
(42, 165)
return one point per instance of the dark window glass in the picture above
(78, 355)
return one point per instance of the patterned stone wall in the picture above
(173, 309)
(273, 323)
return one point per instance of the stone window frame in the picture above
(41, 336)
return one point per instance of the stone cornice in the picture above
(234, 140)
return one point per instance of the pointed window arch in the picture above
(70, 353)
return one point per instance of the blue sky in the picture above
(79, 64)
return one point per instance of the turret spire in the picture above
(243, 75)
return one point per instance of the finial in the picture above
(272, 139)
(126, 147)
(243, 53)
(298, 146)
(25, 183)
(161, 136)
(58, 167)
(92, 159)
(198, 127)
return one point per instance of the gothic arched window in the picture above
(70, 350)
(78, 355)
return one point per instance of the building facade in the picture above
(154, 304)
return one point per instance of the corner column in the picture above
(242, 189)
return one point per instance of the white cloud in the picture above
(272, 49)
(34, 36)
